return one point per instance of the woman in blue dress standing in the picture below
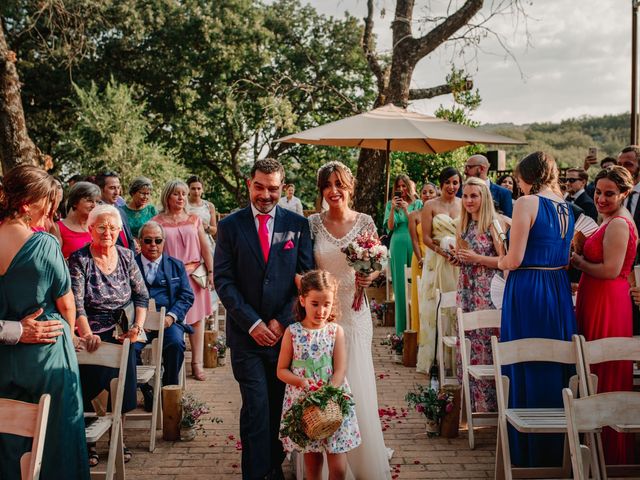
(537, 300)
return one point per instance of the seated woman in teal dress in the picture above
(33, 276)
(396, 220)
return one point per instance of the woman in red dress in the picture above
(603, 308)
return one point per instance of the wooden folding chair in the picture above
(618, 410)
(113, 356)
(530, 420)
(466, 322)
(153, 371)
(610, 349)
(27, 420)
(443, 331)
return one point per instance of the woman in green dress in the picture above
(139, 211)
(34, 275)
(396, 219)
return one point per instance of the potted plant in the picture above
(192, 411)
(377, 312)
(396, 347)
(432, 403)
(221, 348)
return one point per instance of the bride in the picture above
(332, 230)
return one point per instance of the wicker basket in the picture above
(319, 424)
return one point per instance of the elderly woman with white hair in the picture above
(109, 290)
(186, 240)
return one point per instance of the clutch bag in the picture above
(199, 275)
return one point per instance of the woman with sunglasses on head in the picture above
(186, 240)
(109, 291)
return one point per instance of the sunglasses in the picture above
(149, 241)
(571, 180)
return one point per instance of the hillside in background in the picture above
(569, 140)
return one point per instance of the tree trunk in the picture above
(15, 145)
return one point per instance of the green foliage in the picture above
(569, 140)
(111, 133)
(432, 404)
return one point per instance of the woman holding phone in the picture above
(396, 219)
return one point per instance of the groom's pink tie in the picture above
(263, 235)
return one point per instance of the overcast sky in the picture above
(577, 62)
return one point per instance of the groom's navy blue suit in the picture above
(253, 290)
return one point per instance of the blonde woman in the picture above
(186, 240)
(478, 251)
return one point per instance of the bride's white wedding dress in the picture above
(370, 460)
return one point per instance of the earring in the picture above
(27, 219)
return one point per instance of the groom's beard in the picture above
(264, 206)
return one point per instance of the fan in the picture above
(497, 290)
(584, 227)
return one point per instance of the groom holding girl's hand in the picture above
(259, 251)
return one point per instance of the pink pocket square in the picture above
(289, 245)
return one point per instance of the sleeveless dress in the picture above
(604, 310)
(400, 252)
(538, 304)
(370, 459)
(137, 218)
(474, 293)
(183, 243)
(205, 215)
(416, 271)
(437, 273)
(72, 240)
(36, 277)
(313, 359)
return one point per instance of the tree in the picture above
(16, 146)
(394, 75)
(111, 133)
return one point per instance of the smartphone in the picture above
(593, 152)
(397, 194)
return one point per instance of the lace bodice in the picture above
(327, 250)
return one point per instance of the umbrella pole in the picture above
(388, 167)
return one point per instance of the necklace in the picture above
(106, 263)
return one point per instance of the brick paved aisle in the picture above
(217, 455)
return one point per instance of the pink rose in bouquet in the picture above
(365, 255)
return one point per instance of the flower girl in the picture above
(313, 353)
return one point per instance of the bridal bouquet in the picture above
(365, 255)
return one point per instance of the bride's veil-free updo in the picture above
(345, 177)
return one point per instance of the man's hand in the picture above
(263, 336)
(276, 328)
(34, 331)
(168, 321)
(588, 161)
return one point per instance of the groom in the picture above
(259, 251)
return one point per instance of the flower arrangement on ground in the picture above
(377, 310)
(192, 411)
(319, 394)
(221, 349)
(365, 255)
(431, 403)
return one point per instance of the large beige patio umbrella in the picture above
(392, 128)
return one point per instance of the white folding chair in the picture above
(466, 322)
(443, 331)
(610, 349)
(530, 420)
(618, 410)
(113, 356)
(153, 371)
(27, 420)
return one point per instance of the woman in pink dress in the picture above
(603, 307)
(186, 241)
(73, 232)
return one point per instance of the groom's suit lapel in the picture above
(248, 229)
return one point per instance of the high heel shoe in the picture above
(197, 372)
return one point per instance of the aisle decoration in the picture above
(432, 403)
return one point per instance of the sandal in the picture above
(127, 454)
(94, 459)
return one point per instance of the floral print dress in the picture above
(474, 293)
(313, 359)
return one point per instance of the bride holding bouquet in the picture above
(333, 231)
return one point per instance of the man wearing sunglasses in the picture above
(168, 284)
(577, 180)
(478, 166)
